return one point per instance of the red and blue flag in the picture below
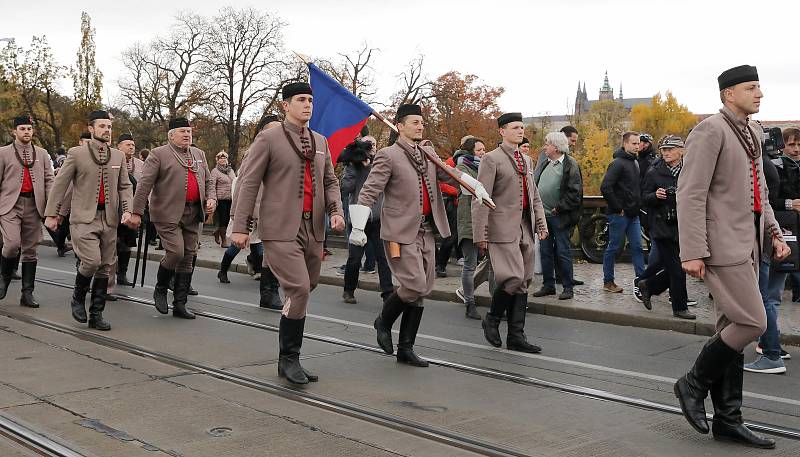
(338, 114)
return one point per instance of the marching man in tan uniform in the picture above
(294, 166)
(412, 206)
(726, 224)
(176, 180)
(26, 176)
(101, 192)
(507, 232)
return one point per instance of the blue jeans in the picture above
(256, 254)
(468, 271)
(556, 253)
(771, 284)
(619, 228)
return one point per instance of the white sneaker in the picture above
(460, 262)
(460, 295)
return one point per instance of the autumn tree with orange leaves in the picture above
(460, 105)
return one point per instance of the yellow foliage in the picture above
(663, 116)
(594, 157)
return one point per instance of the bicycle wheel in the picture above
(594, 238)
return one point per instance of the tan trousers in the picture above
(512, 262)
(180, 240)
(741, 317)
(415, 268)
(95, 244)
(22, 229)
(296, 264)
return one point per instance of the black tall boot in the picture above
(224, 266)
(160, 292)
(290, 340)
(96, 321)
(409, 325)
(501, 300)
(6, 271)
(123, 259)
(693, 387)
(15, 272)
(78, 303)
(268, 286)
(726, 393)
(190, 289)
(28, 280)
(516, 340)
(182, 281)
(392, 308)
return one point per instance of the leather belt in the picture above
(426, 219)
(101, 206)
(307, 215)
(26, 194)
(190, 203)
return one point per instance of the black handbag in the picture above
(790, 225)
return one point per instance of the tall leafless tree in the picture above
(141, 87)
(244, 63)
(178, 57)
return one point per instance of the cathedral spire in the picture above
(620, 91)
(606, 85)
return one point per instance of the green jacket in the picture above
(464, 213)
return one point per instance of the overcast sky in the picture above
(537, 51)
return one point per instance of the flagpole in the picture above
(431, 157)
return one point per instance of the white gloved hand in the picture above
(480, 191)
(359, 215)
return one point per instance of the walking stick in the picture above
(146, 221)
(138, 254)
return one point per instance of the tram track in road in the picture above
(411, 427)
(506, 376)
(32, 440)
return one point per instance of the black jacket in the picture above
(789, 177)
(620, 185)
(570, 200)
(662, 214)
(353, 179)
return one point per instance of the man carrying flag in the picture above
(408, 218)
(293, 163)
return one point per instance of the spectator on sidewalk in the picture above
(359, 156)
(561, 190)
(467, 159)
(647, 154)
(658, 196)
(222, 177)
(620, 188)
(783, 181)
(572, 136)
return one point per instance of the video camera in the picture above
(773, 141)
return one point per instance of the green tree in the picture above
(30, 77)
(87, 79)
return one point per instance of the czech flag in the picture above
(338, 114)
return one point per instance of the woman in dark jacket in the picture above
(658, 196)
